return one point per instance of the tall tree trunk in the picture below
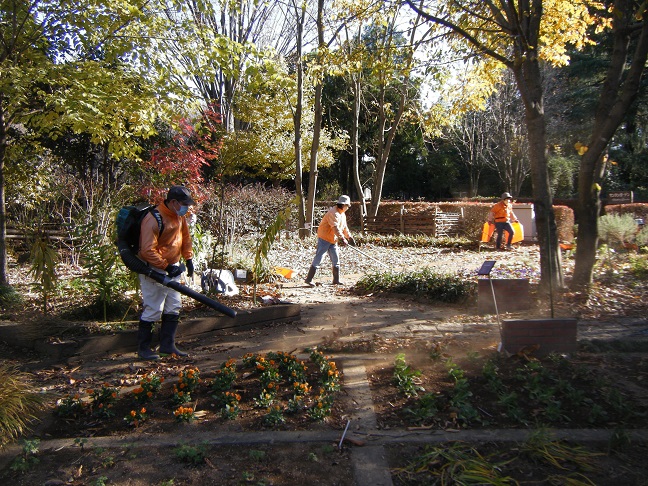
(529, 80)
(297, 119)
(317, 128)
(355, 134)
(617, 96)
(3, 208)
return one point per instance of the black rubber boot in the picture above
(144, 339)
(167, 335)
(309, 277)
(336, 276)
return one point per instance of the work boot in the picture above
(336, 276)
(167, 335)
(309, 277)
(144, 338)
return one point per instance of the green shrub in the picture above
(639, 267)
(9, 297)
(642, 237)
(18, 403)
(616, 230)
(423, 283)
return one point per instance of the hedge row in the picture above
(475, 214)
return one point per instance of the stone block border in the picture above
(547, 335)
(126, 341)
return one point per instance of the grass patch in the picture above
(18, 403)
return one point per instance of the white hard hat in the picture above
(344, 200)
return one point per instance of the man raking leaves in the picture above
(332, 229)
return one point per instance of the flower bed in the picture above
(261, 390)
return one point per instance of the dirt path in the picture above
(361, 333)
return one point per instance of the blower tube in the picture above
(136, 265)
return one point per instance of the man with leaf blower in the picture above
(333, 228)
(164, 239)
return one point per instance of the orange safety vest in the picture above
(503, 212)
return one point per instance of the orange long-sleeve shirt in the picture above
(333, 225)
(167, 248)
(503, 212)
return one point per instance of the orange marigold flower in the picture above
(133, 413)
(143, 410)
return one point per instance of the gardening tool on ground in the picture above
(285, 272)
(136, 265)
(367, 256)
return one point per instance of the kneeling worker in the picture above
(502, 215)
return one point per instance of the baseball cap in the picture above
(506, 195)
(180, 194)
(344, 200)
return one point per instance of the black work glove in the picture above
(175, 270)
(352, 241)
(343, 242)
(190, 268)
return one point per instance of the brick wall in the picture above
(512, 295)
(547, 335)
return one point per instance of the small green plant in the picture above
(148, 388)
(256, 455)
(27, 459)
(264, 400)
(406, 378)
(321, 406)
(225, 377)
(184, 414)
(425, 408)
(136, 417)
(100, 481)
(69, 406)
(103, 274)
(639, 267)
(81, 442)
(103, 399)
(229, 403)
(43, 260)
(193, 455)
(189, 380)
(461, 395)
(274, 415)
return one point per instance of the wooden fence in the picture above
(437, 224)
